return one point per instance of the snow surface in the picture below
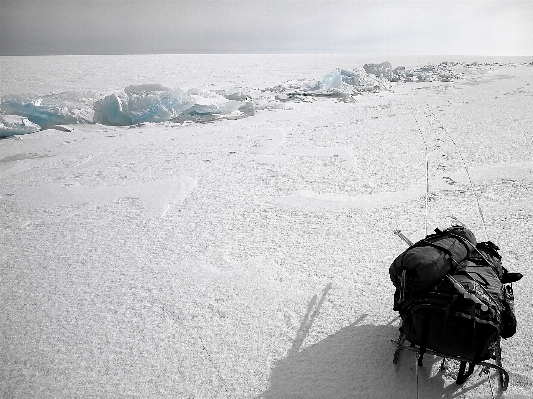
(248, 258)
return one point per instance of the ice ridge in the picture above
(136, 104)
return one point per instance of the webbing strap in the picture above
(463, 241)
(466, 242)
(447, 315)
(469, 275)
(424, 339)
(425, 243)
(402, 285)
(472, 316)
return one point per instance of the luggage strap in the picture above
(424, 338)
(447, 315)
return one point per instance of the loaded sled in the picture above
(453, 301)
(444, 325)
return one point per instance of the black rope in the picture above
(466, 170)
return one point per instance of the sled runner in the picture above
(463, 373)
(452, 300)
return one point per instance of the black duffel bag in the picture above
(420, 267)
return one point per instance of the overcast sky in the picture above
(266, 26)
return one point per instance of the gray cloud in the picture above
(134, 26)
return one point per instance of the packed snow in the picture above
(222, 226)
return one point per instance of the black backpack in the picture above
(447, 323)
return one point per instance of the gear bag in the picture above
(445, 321)
(426, 262)
(484, 275)
(451, 325)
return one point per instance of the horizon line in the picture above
(205, 52)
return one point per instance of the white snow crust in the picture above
(248, 258)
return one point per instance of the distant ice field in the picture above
(106, 73)
(47, 92)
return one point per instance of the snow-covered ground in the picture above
(249, 258)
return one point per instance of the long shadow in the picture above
(354, 362)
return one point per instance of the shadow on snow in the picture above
(354, 362)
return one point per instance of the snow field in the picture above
(249, 258)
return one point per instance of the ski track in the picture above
(249, 258)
